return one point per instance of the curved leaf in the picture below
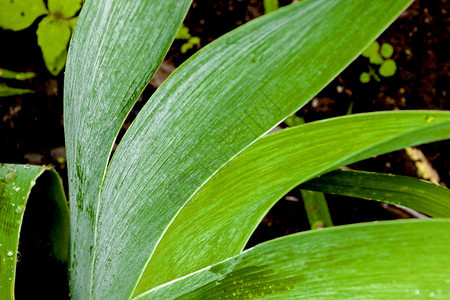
(420, 195)
(17, 182)
(116, 48)
(241, 85)
(218, 221)
(387, 260)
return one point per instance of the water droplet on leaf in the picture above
(430, 119)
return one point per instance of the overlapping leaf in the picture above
(399, 259)
(171, 149)
(213, 107)
(217, 222)
(114, 52)
(420, 195)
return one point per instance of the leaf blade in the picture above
(419, 195)
(370, 260)
(247, 187)
(168, 126)
(115, 50)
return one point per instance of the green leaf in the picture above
(316, 209)
(376, 59)
(223, 213)
(364, 77)
(386, 50)
(17, 184)
(371, 50)
(386, 260)
(16, 75)
(388, 68)
(6, 91)
(270, 5)
(115, 50)
(19, 14)
(420, 195)
(243, 84)
(53, 36)
(246, 84)
(64, 8)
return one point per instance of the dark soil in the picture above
(31, 126)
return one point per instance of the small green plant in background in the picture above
(168, 215)
(378, 57)
(54, 30)
(270, 5)
(6, 91)
(191, 41)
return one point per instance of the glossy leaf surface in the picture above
(214, 106)
(217, 222)
(115, 50)
(399, 259)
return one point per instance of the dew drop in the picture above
(430, 119)
(432, 294)
(19, 209)
(17, 188)
(9, 253)
(416, 292)
(26, 167)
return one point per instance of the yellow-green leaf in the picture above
(19, 14)
(65, 8)
(53, 36)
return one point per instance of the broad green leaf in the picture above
(316, 209)
(420, 195)
(222, 215)
(168, 141)
(115, 50)
(64, 8)
(53, 35)
(6, 91)
(16, 75)
(215, 105)
(19, 14)
(17, 182)
(387, 260)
